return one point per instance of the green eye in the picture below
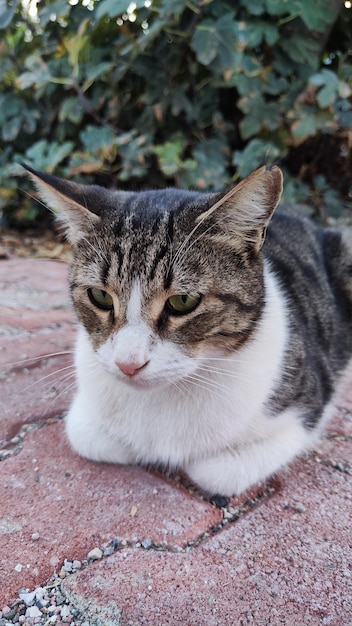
(100, 298)
(183, 303)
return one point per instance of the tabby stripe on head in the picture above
(229, 298)
(104, 272)
(158, 258)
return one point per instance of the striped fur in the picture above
(233, 389)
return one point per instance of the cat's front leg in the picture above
(92, 437)
(232, 471)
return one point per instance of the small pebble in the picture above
(18, 568)
(28, 598)
(299, 507)
(33, 611)
(95, 554)
(35, 536)
(147, 543)
(67, 566)
(65, 611)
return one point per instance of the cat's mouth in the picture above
(141, 380)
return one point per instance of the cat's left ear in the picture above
(72, 204)
(241, 215)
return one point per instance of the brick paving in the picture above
(287, 559)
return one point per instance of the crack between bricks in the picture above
(230, 515)
(15, 444)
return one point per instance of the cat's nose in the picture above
(130, 368)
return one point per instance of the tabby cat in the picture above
(212, 333)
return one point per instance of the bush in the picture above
(191, 93)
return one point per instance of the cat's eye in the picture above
(182, 303)
(100, 298)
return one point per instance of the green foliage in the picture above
(156, 92)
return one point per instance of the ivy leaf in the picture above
(309, 123)
(277, 7)
(329, 87)
(317, 15)
(11, 128)
(257, 152)
(169, 155)
(254, 8)
(216, 39)
(50, 10)
(112, 8)
(71, 110)
(301, 49)
(207, 168)
(7, 13)
(97, 139)
(205, 43)
(96, 71)
(47, 155)
(38, 73)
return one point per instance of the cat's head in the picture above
(162, 280)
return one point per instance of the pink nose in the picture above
(130, 369)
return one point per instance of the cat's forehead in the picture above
(138, 239)
(140, 211)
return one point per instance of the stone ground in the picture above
(162, 554)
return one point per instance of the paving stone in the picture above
(33, 284)
(275, 565)
(37, 331)
(287, 560)
(75, 505)
(36, 379)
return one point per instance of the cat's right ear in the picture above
(68, 201)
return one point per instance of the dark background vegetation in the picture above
(193, 93)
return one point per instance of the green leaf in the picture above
(71, 110)
(205, 42)
(47, 155)
(7, 13)
(278, 7)
(301, 49)
(316, 15)
(257, 152)
(50, 11)
(169, 155)
(207, 168)
(112, 8)
(96, 138)
(216, 39)
(329, 87)
(310, 122)
(11, 128)
(95, 71)
(254, 8)
(38, 73)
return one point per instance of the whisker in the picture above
(99, 254)
(209, 381)
(224, 372)
(38, 382)
(38, 358)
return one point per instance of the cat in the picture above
(212, 331)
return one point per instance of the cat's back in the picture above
(309, 259)
(313, 266)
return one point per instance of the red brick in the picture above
(76, 505)
(275, 565)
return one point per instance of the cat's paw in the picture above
(92, 439)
